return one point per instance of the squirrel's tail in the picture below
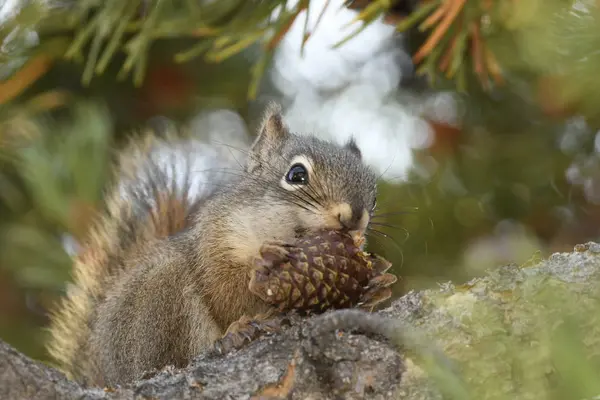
(152, 197)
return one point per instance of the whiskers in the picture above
(374, 228)
(372, 233)
(392, 214)
(400, 228)
(379, 223)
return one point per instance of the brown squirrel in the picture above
(162, 277)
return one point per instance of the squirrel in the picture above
(163, 276)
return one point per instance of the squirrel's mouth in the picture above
(300, 231)
(357, 235)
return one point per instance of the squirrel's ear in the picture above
(351, 145)
(273, 129)
(271, 134)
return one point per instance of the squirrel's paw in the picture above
(246, 329)
(274, 251)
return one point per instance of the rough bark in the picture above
(486, 327)
(294, 363)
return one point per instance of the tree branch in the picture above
(294, 360)
(490, 329)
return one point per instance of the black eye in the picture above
(297, 175)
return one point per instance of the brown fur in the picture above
(162, 277)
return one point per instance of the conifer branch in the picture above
(98, 31)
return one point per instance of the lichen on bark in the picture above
(520, 332)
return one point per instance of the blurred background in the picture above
(481, 117)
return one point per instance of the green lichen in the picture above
(521, 332)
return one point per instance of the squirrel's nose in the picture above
(353, 219)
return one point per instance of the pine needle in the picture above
(436, 16)
(493, 67)
(453, 11)
(459, 52)
(287, 24)
(447, 57)
(416, 15)
(25, 77)
(234, 48)
(477, 54)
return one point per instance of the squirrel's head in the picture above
(328, 186)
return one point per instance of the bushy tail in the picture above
(153, 196)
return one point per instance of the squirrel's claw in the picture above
(245, 330)
(275, 251)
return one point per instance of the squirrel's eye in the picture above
(297, 175)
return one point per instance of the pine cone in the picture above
(327, 270)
